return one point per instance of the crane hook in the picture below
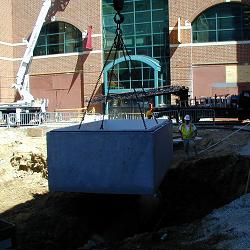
(118, 5)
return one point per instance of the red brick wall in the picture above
(205, 77)
(6, 51)
(225, 91)
(62, 90)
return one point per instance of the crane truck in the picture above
(27, 103)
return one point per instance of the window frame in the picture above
(63, 43)
(213, 14)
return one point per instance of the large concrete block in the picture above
(123, 158)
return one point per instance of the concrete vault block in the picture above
(123, 158)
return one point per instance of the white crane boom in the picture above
(22, 78)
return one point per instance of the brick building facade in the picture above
(206, 68)
(67, 80)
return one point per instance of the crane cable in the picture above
(119, 45)
(124, 49)
(95, 88)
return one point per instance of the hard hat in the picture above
(187, 118)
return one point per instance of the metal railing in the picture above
(36, 119)
(69, 117)
(125, 116)
(198, 114)
(169, 114)
(20, 119)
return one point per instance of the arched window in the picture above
(144, 73)
(58, 38)
(223, 22)
(129, 73)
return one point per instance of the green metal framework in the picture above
(145, 33)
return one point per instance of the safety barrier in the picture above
(3, 120)
(198, 114)
(169, 114)
(36, 119)
(175, 115)
(21, 119)
(125, 116)
(63, 117)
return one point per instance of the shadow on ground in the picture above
(71, 220)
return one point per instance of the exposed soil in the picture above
(192, 188)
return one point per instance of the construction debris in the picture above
(30, 162)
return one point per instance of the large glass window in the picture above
(145, 32)
(223, 22)
(141, 76)
(58, 38)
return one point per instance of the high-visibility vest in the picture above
(149, 114)
(187, 133)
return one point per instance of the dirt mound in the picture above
(30, 162)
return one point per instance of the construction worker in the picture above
(150, 112)
(188, 132)
(92, 111)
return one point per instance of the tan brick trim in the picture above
(55, 55)
(12, 44)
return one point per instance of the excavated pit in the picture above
(73, 220)
(196, 187)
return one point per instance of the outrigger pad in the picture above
(123, 158)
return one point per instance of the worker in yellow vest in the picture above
(188, 132)
(150, 112)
